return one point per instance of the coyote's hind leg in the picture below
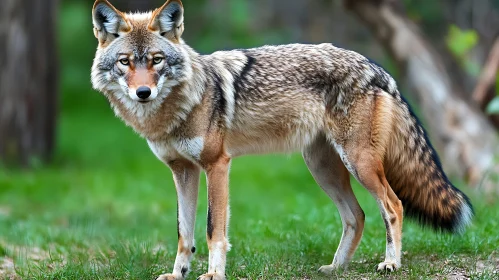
(330, 173)
(370, 173)
(362, 138)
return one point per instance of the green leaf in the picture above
(493, 106)
(459, 41)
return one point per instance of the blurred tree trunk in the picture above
(485, 89)
(28, 80)
(462, 134)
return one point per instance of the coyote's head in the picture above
(140, 57)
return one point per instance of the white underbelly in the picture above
(239, 143)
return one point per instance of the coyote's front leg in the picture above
(218, 218)
(186, 176)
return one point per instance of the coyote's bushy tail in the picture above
(414, 172)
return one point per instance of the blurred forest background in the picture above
(445, 55)
(66, 161)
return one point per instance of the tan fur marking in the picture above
(141, 77)
(218, 197)
(382, 122)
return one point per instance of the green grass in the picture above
(106, 209)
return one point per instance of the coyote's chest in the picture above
(169, 149)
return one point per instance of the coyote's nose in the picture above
(143, 92)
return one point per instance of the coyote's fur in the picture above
(341, 111)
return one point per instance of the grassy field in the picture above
(106, 209)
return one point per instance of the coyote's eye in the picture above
(157, 60)
(124, 61)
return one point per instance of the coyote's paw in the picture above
(170, 276)
(329, 269)
(211, 276)
(387, 267)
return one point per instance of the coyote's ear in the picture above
(169, 20)
(108, 22)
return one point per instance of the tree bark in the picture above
(460, 132)
(485, 88)
(28, 80)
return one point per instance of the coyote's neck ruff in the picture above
(341, 111)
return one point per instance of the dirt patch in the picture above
(456, 267)
(458, 274)
(464, 267)
(489, 267)
(30, 255)
(7, 269)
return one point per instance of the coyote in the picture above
(343, 112)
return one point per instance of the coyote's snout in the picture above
(344, 113)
